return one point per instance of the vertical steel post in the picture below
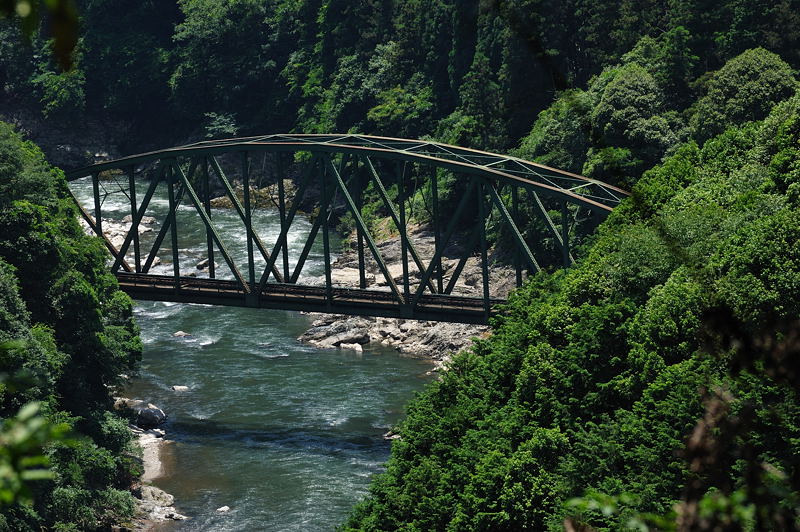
(326, 246)
(436, 230)
(401, 200)
(359, 200)
(565, 234)
(207, 204)
(248, 220)
(484, 256)
(134, 219)
(176, 269)
(98, 215)
(515, 217)
(282, 209)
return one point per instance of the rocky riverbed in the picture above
(435, 340)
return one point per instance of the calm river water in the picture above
(284, 434)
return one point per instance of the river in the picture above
(286, 435)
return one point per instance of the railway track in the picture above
(356, 302)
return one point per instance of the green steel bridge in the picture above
(339, 172)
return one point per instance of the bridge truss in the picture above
(338, 173)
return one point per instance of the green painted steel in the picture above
(339, 172)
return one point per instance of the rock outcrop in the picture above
(150, 416)
(434, 340)
(153, 504)
(157, 505)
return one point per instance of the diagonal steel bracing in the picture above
(347, 171)
(97, 231)
(282, 237)
(240, 210)
(370, 242)
(210, 226)
(376, 180)
(515, 232)
(437, 257)
(166, 226)
(136, 219)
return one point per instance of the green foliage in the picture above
(220, 126)
(73, 334)
(669, 58)
(401, 111)
(560, 135)
(22, 462)
(62, 93)
(593, 378)
(745, 89)
(62, 21)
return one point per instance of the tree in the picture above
(745, 89)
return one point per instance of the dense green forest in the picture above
(471, 73)
(654, 385)
(592, 380)
(67, 335)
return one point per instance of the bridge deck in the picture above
(354, 302)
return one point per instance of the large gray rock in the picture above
(156, 496)
(150, 416)
(354, 347)
(121, 403)
(347, 327)
(156, 505)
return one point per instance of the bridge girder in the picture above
(344, 166)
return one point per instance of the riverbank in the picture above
(153, 505)
(436, 341)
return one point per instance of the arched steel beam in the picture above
(550, 182)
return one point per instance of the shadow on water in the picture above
(348, 437)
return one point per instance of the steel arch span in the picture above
(338, 174)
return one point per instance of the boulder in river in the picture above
(157, 496)
(203, 264)
(348, 331)
(223, 509)
(156, 505)
(150, 416)
(178, 388)
(121, 403)
(354, 347)
(180, 334)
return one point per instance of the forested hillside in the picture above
(684, 313)
(654, 384)
(66, 334)
(471, 73)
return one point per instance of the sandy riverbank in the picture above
(154, 505)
